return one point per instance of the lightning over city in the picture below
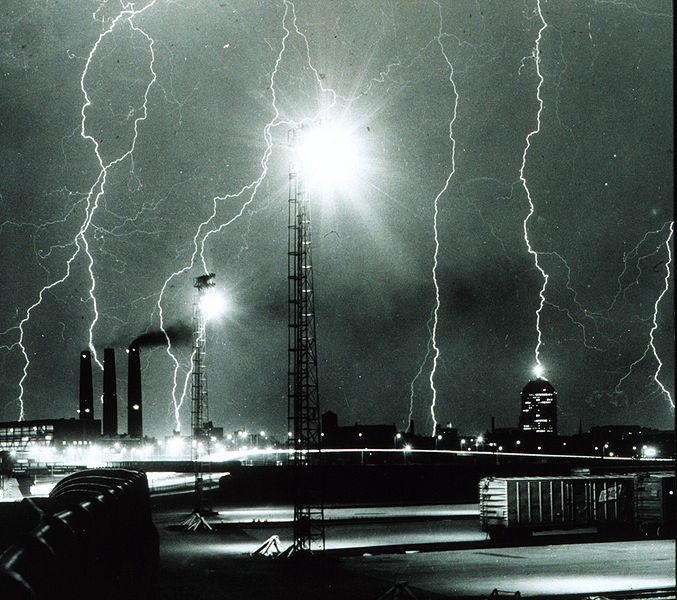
(436, 309)
(497, 205)
(536, 56)
(247, 193)
(96, 191)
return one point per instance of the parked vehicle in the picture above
(513, 507)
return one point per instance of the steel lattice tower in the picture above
(199, 416)
(303, 399)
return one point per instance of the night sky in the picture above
(187, 107)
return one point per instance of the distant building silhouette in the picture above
(539, 408)
(356, 436)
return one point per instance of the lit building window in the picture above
(539, 407)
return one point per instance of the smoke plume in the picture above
(179, 334)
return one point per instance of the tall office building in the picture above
(539, 407)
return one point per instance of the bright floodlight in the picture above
(212, 304)
(328, 155)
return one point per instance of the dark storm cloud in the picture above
(273, 306)
(466, 300)
(469, 294)
(16, 121)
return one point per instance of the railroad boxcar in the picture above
(515, 507)
(655, 504)
(518, 506)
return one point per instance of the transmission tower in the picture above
(303, 400)
(200, 425)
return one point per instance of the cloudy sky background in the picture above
(433, 94)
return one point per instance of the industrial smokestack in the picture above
(86, 409)
(110, 394)
(134, 411)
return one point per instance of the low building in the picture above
(18, 435)
(356, 436)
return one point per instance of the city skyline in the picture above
(513, 206)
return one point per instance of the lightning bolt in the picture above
(579, 308)
(94, 195)
(651, 347)
(536, 55)
(419, 373)
(628, 257)
(436, 309)
(633, 259)
(633, 6)
(433, 322)
(247, 194)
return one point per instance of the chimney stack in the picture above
(110, 394)
(86, 408)
(134, 407)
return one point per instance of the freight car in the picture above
(515, 507)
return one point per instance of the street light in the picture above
(649, 451)
(328, 155)
(212, 304)
(398, 436)
(405, 451)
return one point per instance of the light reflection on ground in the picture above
(560, 569)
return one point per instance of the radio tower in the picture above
(200, 425)
(303, 401)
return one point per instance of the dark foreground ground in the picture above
(197, 574)
(436, 557)
(218, 563)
